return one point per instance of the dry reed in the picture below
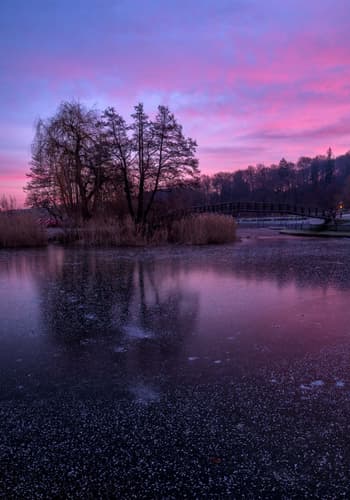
(113, 232)
(20, 230)
(200, 229)
(204, 229)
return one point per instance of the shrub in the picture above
(20, 230)
(204, 229)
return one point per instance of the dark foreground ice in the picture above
(219, 372)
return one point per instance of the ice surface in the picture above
(144, 394)
(135, 332)
(119, 349)
(90, 316)
(314, 384)
(317, 383)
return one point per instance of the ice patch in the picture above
(119, 349)
(317, 383)
(217, 361)
(72, 299)
(90, 316)
(145, 394)
(136, 332)
(312, 385)
(192, 358)
(340, 384)
(234, 337)
(87, 341)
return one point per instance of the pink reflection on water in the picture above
(21, 274)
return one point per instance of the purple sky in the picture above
(250, 80)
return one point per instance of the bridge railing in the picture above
(237, 208)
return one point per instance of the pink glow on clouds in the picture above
(252, 82)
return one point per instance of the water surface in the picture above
(235, 355)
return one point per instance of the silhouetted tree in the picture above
(69, 161)
(80, 157)
(150, 155)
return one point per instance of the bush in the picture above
(204, 229)
(20, 230)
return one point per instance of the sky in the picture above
(251, 80)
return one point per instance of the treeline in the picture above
(322, 181)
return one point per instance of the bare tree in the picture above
(80, 157)
(69, 161)
(150, 155)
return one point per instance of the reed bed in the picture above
(21, 230)
(200, 229)
(114, 232)
(204, 229)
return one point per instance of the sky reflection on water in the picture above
(95, 316)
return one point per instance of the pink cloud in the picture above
(251, 84)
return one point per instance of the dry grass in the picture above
(20, 230)
(204, 229)
(112, 232)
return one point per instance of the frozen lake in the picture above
(211, 372)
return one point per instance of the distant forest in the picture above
(323, 181)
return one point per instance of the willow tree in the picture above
(150, 155)
(69, 161)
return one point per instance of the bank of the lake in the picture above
(316, 234)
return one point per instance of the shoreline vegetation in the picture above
(20, 230)
(24, 230)
(107, 181)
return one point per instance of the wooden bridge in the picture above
(239, 208)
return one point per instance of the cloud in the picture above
(251, 81)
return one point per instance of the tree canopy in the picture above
(83, 158)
